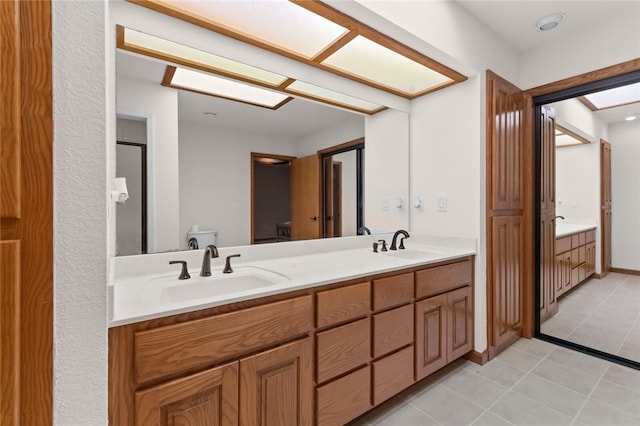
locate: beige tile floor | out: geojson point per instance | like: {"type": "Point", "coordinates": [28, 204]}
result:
{"type": "Point", "coordinates": [602, 314]}
{"type": "Point", "coordinates": [531, 383]}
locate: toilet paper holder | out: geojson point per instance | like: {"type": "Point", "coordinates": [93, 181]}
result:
{"type": "Point", "coordinates": [120, 194]}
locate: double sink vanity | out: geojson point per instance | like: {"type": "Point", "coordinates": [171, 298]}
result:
{"type": "Point", "coordinates": [309, 332]}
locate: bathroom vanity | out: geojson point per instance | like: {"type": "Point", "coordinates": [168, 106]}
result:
{"type": "Point", "coordinates": [575, 251]}
{"type": "Point", "coordinates": [336, 340]}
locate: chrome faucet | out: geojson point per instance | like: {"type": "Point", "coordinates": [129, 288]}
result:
{"type": "Point", "coordinates": [209, 253]}
{"type": "Point", "coordinates": [404, 234]}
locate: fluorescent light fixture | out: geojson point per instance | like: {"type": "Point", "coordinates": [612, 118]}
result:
{"type": "Point", "coordinates": [615, 97]}
{"type": "Point", "coordinates": [566, 137]}
{"type": "Point", "coordinates": [316, 34]}
{"type": "Point", "coordinates": [216, 86]}
{"type": "Point", "coordinates": [336, 98]}
{"type": "Point", "coordinates": [159, 48]}
{"type": "Point", "coordinates": [278, 23]}
{"type": "Point", "coordinates": [379, 65]}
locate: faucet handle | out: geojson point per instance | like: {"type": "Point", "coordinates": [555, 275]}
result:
{"type": "Point", "coordinates": [384, 245]}
{"type": "Point", "coordinates": [227, 264]}
{"type": "Point", "coordinates": [184, 273]}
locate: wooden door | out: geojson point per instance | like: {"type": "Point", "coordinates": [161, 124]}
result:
{"type": "Point", "coordinates": [26, 214]}
{"type": "Point", "coordinates": [209, 398]}
{"type": "Point", "coordinates": [459, 322]}
{"type": "Point", "coordinates": [306, 206]}
{"type": "Point", "coordinates": [509, 212]}
{"type": "Point", "coordinates": [605, 206]}
{"type": "Point", "coordinates": [431, 335]}
{"type": "Point", "coordinates": [276, 386]}
{"type": "Point", "coordinates": [548, 297]}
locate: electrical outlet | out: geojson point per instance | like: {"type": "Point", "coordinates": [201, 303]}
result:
{"type": "Point", "coordinates": [442, 204]}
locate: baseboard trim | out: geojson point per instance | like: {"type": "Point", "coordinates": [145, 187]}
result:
{"type": "Point", "coordinates": [480, 358]}
{"type": "Point", "coordinates": [597, 276]}
{"type": "Point", "coordinates": [625, 271]}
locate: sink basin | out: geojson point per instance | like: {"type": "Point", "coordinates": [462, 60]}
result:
{"type": "Point", "coordinates": [413, 254]}
{"type": "Point", "coordinates": [168, 289]}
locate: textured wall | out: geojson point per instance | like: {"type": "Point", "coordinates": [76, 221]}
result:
{"type": "Point", "coordinates": [80, 213]}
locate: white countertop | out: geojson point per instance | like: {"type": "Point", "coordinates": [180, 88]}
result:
{"type": "Point", "coordinates": [564, 229]}
{"type": "Point", "coordinates": [302, 264]}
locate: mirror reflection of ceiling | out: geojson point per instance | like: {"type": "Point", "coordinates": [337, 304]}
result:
{"type": "Point", "coordinates": [318, 35]}
{"type": "Point", "coordinates": [615, 105]}
{"type": "Point", "coordinates": [295, 119]}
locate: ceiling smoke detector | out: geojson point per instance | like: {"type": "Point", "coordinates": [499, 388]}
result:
{"type": "Point", "coordinates": [550, 22]}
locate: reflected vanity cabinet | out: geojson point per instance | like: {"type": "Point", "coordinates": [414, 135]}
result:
{"type": "Point", "coordinates": [322, 356]}
{"type": "Point", "coordinates": [575, 259]}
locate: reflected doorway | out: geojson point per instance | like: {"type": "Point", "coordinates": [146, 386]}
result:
{"type": "Point", "coordinates": [595, 312]}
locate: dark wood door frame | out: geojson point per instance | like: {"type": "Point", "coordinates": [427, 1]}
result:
{"type": "Point", "coordinates": [530, 285]}
{"type": "Point", "coordinates": [606, 78]}
{"type": "Point", "coordinates": [143, 184]}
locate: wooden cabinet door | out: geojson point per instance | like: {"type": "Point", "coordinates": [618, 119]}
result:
{"type": "Point", "coordinates": [605, 206]}
{"type": "Point", "coordinates": [209, 398]}
{"type": "Point", "coordinates": [431, 329]}
{"type": "Point", "coordinates": [459, 322]}
{"type": "Point", "coordinates": [590, 262]}
{"type": "Point", "coordinates": [276, 386]}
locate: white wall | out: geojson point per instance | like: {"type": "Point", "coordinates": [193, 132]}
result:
{"type": "Point", "coordinates": [80, 132]}
{"type": "Point", "coordinates": [386, 174]}
{"type": "Point", "coordinates": [215, 179]}
{"type": "Point", "coordinates": [349, 130]}
{"type": "Point", "coordinates": [160, 105]}
{"type": "Point", "coordinates": [625, 194]}
{"type": "Point", "coordinates": [446, 161]}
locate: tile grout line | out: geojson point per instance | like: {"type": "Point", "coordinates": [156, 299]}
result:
{"type": "Point", "coordinates": [604, 373]}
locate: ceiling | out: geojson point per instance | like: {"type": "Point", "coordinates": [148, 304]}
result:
{"type": "Point", "coordinates": [514, 22]}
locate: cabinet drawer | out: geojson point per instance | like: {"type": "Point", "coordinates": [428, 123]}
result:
{"type": "Point", "coordinates": [392, 330]}
{"type": "Point", "coordinates": [343, 348]}
{"type": "Point", "coordinates": [392, 374]}
{"type": "Point", "coordinates": [178, 348]}
{"type": "Point", "coordinates": [563, 244]}
{"type": "Point", "coordinates": [342, 304]}
{"type": "Point", "coordinates": [344, 399]}
{"type": "Point", "coordinates": [591, 235]}
{"type": "Point", "coordinates": [582, 238]}
{"type": "Point", "coordinates": [575, 258]}
{"type": "Point", "coordinates": [392, 291]}
{"type": "Point", "coordinates": [575, 240]}
{"type": "Point", "coordinates": [440, 279]}
{"type": "Point", "coordinates": [582, 254]}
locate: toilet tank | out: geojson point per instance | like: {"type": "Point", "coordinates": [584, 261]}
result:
{"type": "Point", "coordinates": [203, 237]}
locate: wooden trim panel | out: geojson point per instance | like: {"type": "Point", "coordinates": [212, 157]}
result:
{"type": "Point", "coordinates": [392, 330]}
{"type": "Point", "coordinates": [392, 291]}
{"type": "Point", "coordinates": [342, 349]}
{"type": "Point", "coordinates": [173, 349]}
{"type": "Point", "coordinates": [10, 331]}
{"type": "Point", "coordinates": [344, 399]}
{"type": "Point", "coordinates": [625, 271]}
{"type": "Point", "coordinates": [392, 374]}
{"type": "Point", "coordinates": [342, 304]}
{"type": "Point", "coordinates": [441, 279]}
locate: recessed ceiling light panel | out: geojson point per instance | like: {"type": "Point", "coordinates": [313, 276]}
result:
{"type": "Point", "coordinates": [223, 88]}
{"type": "Point", "coordinates": [549, 22]}
{"type": "Point", "coordinates": [373, 62]}
{"type": "Point", "coordinates": [615, 97]}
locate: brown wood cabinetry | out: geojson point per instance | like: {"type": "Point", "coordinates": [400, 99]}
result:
{"type": "Point", "coordinates": [323, 356]}
{"type": "Point", "coordinates": [276, 386]}
{"type": "Point", "coordinates": [444, 330]}
{"type": "Point", "coordinates": [575, 260]}
{"type": "Point", "coordinates": [206, 398]}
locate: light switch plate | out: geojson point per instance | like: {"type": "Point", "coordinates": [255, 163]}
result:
{"type": "Point", "coordinates": [442, 204]}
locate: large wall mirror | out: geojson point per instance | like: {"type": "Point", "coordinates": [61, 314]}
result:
{"type": "Point", "coordinates": [210, 161]}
